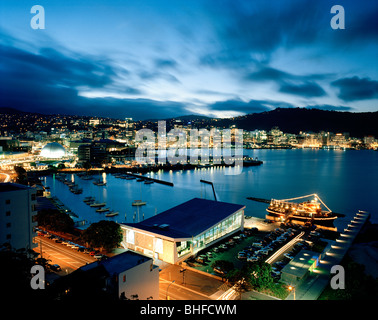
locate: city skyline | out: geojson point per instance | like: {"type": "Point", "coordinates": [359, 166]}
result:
{"type": "Point", "coordinates": [149, 60]}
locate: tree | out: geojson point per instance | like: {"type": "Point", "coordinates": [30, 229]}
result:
{"type": "Point", "coordinates": [87, 165]}
{"type": "Point", "coordinates": [22, 177]}
{"type": "Point", "coordinates": [55, 220]}
{"type": "Point", "coordinates": [259, 275]}
{"type": "Point", "coordinates": [61, 166]}
{"type": "Point", "coordinates": [103, 234]}
{"type": "Point", "coordinates": [223, 265]}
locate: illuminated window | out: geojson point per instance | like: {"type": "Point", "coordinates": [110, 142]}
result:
{"type": "Point", "coordinates": [130, 235]}
{"type": "Point", "coordinates": [159, 245]}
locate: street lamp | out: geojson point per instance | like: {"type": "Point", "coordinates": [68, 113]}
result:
{"type": "Point", "coordinates": [291, 288]}
{"type": "Point", "coordinates": [166, 294]}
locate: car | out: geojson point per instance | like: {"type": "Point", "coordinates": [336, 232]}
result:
{"type": "Point", "coordinates": [98, 256]}
{"type": "Point", "coordinates": [241, 254]}
{"type": "Point", "coordinates": [219, 270]}
{"type": "Point", "coordinates": [55, 267]}
{"type": "Point", "coordinates": [92, 253]}
{"type": "Point", "coordinates": [252, 259]}
{"type": "Point", "coordinates": [288, 256]}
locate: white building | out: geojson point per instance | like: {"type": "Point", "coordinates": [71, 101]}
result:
{"type": "Point", "coordinates": [128, 275]}
{"type": "Point", "coordinates": [17, 215]}
{"type": "Point", "coordinates": [181, 231]}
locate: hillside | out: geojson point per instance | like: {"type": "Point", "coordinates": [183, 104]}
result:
{"type": "Point", "coordinates": [294, 120]}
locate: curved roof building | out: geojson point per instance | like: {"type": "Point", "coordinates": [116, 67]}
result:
{"type": "Point", "coordinates": [53, 150]}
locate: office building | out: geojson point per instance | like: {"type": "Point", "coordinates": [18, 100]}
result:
{"type": "Point", "coordinates": [17, 215]}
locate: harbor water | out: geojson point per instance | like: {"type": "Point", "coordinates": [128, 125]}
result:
{"type": "Point", "coordinates": [347, 181]}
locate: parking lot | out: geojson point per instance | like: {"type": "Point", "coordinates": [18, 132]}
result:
{"type": "Point", "coordinates": [251, 246]}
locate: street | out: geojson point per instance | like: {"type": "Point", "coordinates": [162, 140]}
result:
{"type": "Point", "coordinates": [196, 287]}
{"type": "Point", "coordinates": [69, 259]}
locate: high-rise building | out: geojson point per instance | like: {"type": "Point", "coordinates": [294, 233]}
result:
{"type": "Point", "coordinates": [17, 215]}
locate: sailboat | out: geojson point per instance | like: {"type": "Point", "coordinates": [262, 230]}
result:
{"type": "Point", "coordinates": [111, 214]}
{"type": "Point", "coordinates": [139, 202]}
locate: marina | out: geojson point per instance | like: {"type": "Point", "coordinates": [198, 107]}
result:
{"type": "Point", "coordinates": [284, 173]}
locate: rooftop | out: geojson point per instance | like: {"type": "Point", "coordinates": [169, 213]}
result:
{"type": "Point", "coordinates": [6, 187]}
{"type": "Point", "coordinates": [301, 263]}
{"type": "Point", "coordinates": [119, 263]}
{"type": "Point", "coordinates": [189, 218]}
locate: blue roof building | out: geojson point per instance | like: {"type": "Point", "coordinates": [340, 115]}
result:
{"type": "Point", "coordinates": [173, 235]}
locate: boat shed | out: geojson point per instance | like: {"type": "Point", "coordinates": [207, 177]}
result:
{"type": "Point", "coordinates": [181, 231]}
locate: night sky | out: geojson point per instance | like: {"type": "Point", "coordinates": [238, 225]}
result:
{"type": "Point", "coordinates": [158, 59]}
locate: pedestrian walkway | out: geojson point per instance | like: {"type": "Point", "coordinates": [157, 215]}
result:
{"type": "Point", "coordinates": [312, 287]}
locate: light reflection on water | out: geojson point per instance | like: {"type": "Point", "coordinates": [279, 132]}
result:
{"type": "Point", "coordinates": [346, 181]}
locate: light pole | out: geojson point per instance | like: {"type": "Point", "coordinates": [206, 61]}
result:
{"type": "Point", "coordinates": [166, 294]}
{"type": "Point", "coordinates": [291, 288]}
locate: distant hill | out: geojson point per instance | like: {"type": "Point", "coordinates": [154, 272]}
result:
{"type": "Point", "coordinates": [289, 120]}
{"type": "Point", "coordinates": [294, 120]}
{"type": "Point", "coordinates": [6, 110]}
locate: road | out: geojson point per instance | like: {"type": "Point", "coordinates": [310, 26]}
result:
{"type": "Point", "coordinates": [5, 177]}
{"type": "Point", "coordinates": [69, 259]}
{"type": "Point", "coordinates": [177, 291]}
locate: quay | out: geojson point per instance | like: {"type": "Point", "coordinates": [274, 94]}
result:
{"type": "Point", "coordinates": [332, 255]}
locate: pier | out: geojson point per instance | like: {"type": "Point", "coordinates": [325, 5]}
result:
{"type": "Point", "coordinates": [332, 255]}
{"type": "Point", "coordinates": [150, 179]}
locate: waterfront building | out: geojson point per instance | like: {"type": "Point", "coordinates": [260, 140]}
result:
{"type": "Point", "coordinates": [17, 215]}
{"type": "Point", "coordinates": [53, 150]}
{"type": "Point", "coordinates": [182, 231]}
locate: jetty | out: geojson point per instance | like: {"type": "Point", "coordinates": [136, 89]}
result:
{"type": "Point", "coordinates": [170, 184]}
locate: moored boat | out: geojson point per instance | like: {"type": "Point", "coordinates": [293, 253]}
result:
{"type": "Point", "coordinates": [308, 212]}
{"type": "Point", "coordinates": [94, 205]}
{"type": "Point", "coordinates": [111, 214]}
{"type": "Point", "coordinates": [139, 203]}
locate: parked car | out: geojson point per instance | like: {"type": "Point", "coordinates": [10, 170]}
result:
{"type": "Point", "coordinates": [55, 267]}
{"type": "Point", "coordinates": [252, 259]}
{"type": "Point", "coordinates": [288, 256]}
{"type": "Point", "coordinates": [218, 270]}
{"type": "Point", "coordinates": [98, 256]}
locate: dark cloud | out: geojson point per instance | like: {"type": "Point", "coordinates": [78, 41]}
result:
{"type": "Point", "coordinates": [307, 89]}
{"type": "Point", "coordinates": [49, 81]}
{"type": "Point", "coordinates": [249, 32]}
{"type": "Point", "coordinates": [268, 74]}
{"type": "Point", "coordinates": [356, 88]}
{"type": "Point", "coordinates": [166, 63]}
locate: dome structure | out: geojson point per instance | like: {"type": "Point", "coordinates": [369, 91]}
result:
{"type": "Point", "coordinates": [53, 150]}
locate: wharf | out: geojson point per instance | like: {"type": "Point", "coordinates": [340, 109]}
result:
{"type": "Point", "coordinates": [150, 179]}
